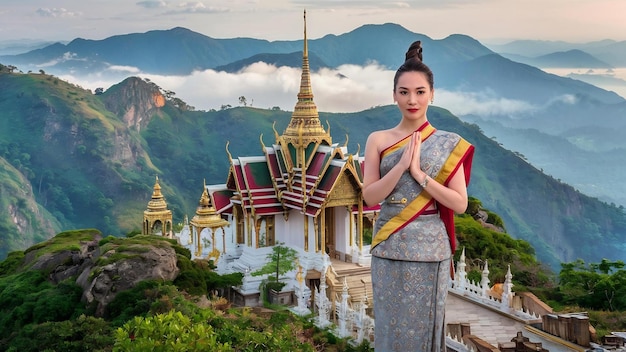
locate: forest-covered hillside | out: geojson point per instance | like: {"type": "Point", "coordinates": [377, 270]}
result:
{"type": "Point", "coordinates": [83, 291]}
{"type": "Point", "coordinates": [91, 160]}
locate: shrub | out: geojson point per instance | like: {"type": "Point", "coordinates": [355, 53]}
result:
{"type": "Point", "coordinates": [172, 331]}
{"type": "Point", "coordinates": [11, 263]}
{"type": "Point", "coordinates": [133, 302]}
{"type": "Point", "coordinates": [82, 334]}
{"type": "Point", "coordinates": [28, 298]}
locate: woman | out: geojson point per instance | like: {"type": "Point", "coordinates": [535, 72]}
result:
{"type": "Point", "coordinates": [420, 175]}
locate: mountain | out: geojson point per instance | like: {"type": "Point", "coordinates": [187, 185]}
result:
{"type": "Point", "coordinates": [563, 59]}
{"type": "Point", "coordinates": [180, 51]}
{"type": "Point", "coordinates": [533, 48]}
{"type": "Point", "coordinates": [511, 101]}
{"type": "Point", "coordinates": [177, 51]}
{"type": "Point", "coordinates": [610, 51]}
{"type": "Point", "coordinates": [459, 61]}
{"type": "Point", "coordinates": [19, 46]}
{"type": "Point", "coordinates": [290, 60]}
{"type": "Point", "coordinates": [91, 160]}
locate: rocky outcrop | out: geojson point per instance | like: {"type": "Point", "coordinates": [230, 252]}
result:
{"type": "Point", "coordinates": [135, 101]}
{"type": "Point", "coordinates": [103, 268]}
{"type": "Point", "coordinates": [482, 217]}
{"type": "Point", "coordinates": [122, 267]}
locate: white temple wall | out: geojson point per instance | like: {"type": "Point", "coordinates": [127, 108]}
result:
{"type": "Point", "coordinates": [290, 232]}
{"type": "Point", "coordinates": [342, 231]}
{"type": "Point", "coordinates": [249, 235]}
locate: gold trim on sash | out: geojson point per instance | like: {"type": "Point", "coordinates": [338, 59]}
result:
{"type": "Point", "coordinates": [453, 162]}
{"type": "Point", "coordinates": [410, 212]}
{"type": "Point", "coordinates": [425, 132]}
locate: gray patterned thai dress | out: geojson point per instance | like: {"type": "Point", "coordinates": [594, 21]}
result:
{"type": "Point", "coordinates": [411, 255]}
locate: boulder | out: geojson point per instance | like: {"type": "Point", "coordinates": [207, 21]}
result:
{"type": "Point", "coordinates": [103, 267]}
{"type": "Point", "coordinates": [121, 268]}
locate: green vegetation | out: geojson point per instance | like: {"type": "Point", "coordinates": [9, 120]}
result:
{"type": "Point", "coordinates": [152, 316]}
{"type": "Point", "coordinates": [28, 298]}
{"type": "Point", "coordinates": [85, 333]}
{"type": "Point", "coordinates": [91, 163]}
{"type": "Point", "coordinates": [50, 131]}
{"type": "Point", "coordinates": [241, 329]}
{"type": "Point", "coordinates": [64, 241]}
{"type": "Point", "coordinates": [282, 259]}
{"type": "Point", "coordinates": [17, 200]}
{"type": "Point", "coordinates": [599, 286]}
{"type": "Point", "coordinates": [158, 315]}
{"type": "Point", "coordinates": [500, 249]}
{"type": "Point", "coordinates": [69, 160]}
{"type": "Point", "coordinates": [172, 331]}
{"type": "Point", "coordinates": [198, 278]}
{"type": "Point", "coordinates": [596, 288]}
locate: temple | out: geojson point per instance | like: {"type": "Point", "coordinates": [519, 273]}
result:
{"type": "Point", "coordinates": [157, 218]}
{"type": "Point", "coordinates": [304, 191]}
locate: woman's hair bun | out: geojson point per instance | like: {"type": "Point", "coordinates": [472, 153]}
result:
{"type": "Point", "coordinates": [415, 51]}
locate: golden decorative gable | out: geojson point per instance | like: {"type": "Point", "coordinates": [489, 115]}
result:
{"type": "Point", "coordinates": [345, 192]}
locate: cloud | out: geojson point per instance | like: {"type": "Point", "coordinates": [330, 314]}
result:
{"type": "Point", "coordinates": [152, 4]}
{"type": "Point", "coordinates": [365, 4]}
{"type": "Point", "coordinates": [182, 8]}
{"type": "Point", "coordinates": [56, 12]}
{"type": "Point", "coordinates": [197, 7]}
{"type": "Point", "coordinates": [348, 88]}
{"type": "Point", "coordinates": [483, 103]}
{"type": "Point", "coordinates": [124, 69]}
{"type": "Point", "coordinates": [65, 57]}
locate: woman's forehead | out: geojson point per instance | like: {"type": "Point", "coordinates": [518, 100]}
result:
{"type": "Point", "coordinates": [412, 79]}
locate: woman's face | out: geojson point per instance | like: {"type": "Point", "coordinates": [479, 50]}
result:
{"type": "Point", "coordinates": [412, 94]}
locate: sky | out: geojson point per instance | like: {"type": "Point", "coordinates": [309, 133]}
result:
{"type": "Point", "coordinates": [264, 86]}
{"type": "Point", "coordinates": [485, 20]}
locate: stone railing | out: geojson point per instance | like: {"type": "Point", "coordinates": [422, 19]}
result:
{"type": "Point", "coordinates": [504, 301]}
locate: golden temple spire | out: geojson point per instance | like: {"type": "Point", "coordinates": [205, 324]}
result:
{"type": "Point", "coordinates": [305, 126]}
{"type": "Point", "coordinates": [157, 213]}
{"type": "Point", "coordinates": [207, 218]}
{"type": "Point", "coordinates": [206, 215]}
{"type": "Point", "coordinates": [157, 203]}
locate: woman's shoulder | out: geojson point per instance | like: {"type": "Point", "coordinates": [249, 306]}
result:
{"type": "Point", "coordinates": [382, 134]}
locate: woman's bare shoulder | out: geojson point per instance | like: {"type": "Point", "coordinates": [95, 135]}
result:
{"type": "Point", "coordinates": [381, 134]}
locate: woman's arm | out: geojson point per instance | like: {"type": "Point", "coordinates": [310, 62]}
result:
{"type": "Point", "coordinates": [452, 196]}
{"type": "Point", "coordinates": [375, 188]}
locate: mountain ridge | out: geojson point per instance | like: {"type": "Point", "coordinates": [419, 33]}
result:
{"type": "Point", "coordinates": [560, 105]}
{"type": "Point", "coordinates": [98, 170]}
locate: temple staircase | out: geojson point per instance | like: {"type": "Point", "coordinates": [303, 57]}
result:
{"type": "Point", "coordinates": [358, 279]}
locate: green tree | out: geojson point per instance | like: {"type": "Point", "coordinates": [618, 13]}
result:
{"type": "Point", "coordinates": [282, 259]}
{"type": "Point", "coordinates": [594, 286]}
